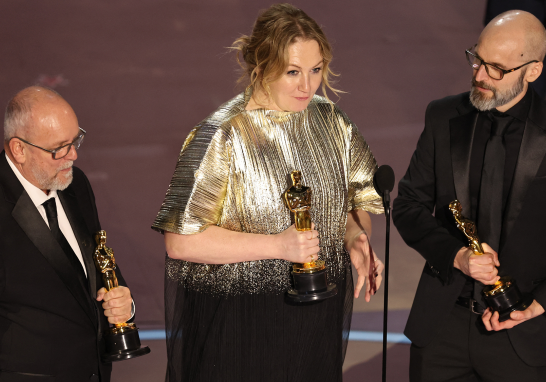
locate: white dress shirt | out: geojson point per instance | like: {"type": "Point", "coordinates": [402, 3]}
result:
{"type": "Point", "coordinates": [38, 197]}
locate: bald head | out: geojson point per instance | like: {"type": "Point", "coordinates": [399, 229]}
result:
{"type": "Point", "coordinates": [519, 32]}
{"type": "Point", "coordinates": [42, 134]}
{"type": "Point", "coordinates": [18, 116]}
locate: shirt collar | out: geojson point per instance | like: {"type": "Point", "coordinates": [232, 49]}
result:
{"type": "Point", "coordinates": [36, 195]}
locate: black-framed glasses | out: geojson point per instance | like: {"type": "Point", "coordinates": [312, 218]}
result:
{"type": "Point", "coordinates": [492, 70]}
{"type": "Point", "coordinates": [61, 152]}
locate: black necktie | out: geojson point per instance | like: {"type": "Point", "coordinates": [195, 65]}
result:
{"type": "Point", "coordinates": [51, 212]}
{"type": "Point", "coordinates": [490, 202]}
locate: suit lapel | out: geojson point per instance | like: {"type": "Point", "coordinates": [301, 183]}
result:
{"type": "Point", "coordinates": [461, 136]}
{"type": "Point", "coordinates": [29, 219]}
{"type": "Point", "coordinates": [31, 222]}
{"type": "Point", "coordinates": [84, 238]}
{"type": "Point", "coordinates": [531, 155]}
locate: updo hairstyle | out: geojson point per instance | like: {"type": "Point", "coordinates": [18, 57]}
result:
{"type": "Point", "coordinates": [265, 52]}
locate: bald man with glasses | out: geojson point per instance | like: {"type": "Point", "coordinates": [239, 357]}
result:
{"type": "Point", "coordinates": [486, 148]}
{"type": "Point", "coordinates": [53, 309]}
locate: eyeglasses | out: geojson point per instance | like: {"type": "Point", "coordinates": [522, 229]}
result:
{"type": "Point", "coordinates": [61, 152]}
{"type": "Point", "coordinates": [493, 71]}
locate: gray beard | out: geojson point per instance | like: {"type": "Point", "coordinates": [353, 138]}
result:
{"type": "Point", "coordinates": [481, 102]}
{"type": "Point", "coordinates": [54, 183]}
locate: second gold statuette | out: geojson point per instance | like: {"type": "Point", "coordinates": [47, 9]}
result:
{"type": "Point", "coordinates": [310, 283]}
{"type": "Point", "coordinates": [504, 296]}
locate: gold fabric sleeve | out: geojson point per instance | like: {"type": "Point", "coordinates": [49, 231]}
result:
{"type": "Point", "coordinates": [196, 194]}
{"type": "Point", "coordinates": [362, 194]}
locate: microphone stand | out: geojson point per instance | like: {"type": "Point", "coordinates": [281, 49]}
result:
{"type": "Point", "coordinates": [387, 207]}
{"type": "Point", "coordinates": [383, 182]}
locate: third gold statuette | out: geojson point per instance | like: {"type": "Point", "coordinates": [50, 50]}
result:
{"type": "Point", "coordinates": [504, 296]}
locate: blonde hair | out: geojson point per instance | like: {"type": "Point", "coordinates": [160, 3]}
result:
{"type": "Point", "coordinates": [265, 52]}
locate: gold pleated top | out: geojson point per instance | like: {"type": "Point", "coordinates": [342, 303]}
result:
{"type": "Point", "coordinates": [233, 170]}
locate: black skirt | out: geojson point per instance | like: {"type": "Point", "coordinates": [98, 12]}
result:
{"type": "Point", "coordinates": [256, 338]}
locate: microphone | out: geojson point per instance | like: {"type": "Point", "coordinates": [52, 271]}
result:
{"type": "Point", "coordinates": [383, 182]}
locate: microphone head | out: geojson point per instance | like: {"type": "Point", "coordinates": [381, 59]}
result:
{"type": "Point", "coordinates": [383, 179]}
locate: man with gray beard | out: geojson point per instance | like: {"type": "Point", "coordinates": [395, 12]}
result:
{"type": "Point", "coordinates": [53, 309]}
{"type": "Point", "coordinates": [486, 148]}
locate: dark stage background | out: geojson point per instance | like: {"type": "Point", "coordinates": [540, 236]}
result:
{"type": "Point", "coordinates": [141, 73]}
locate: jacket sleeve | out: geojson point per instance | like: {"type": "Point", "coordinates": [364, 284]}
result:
{"type": "Point", "coordinates": [413, 209]}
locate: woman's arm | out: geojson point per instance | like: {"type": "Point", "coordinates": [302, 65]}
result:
{"type": "Point", "coordinates": [357, 221]}
{"type": "Point", "coordinates": [217, 245]}
{"type": "Point", "coordinates": [357, 234]}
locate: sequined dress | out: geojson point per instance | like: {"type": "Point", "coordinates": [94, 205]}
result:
{"type": "Point", "coordinates": [231, 322]}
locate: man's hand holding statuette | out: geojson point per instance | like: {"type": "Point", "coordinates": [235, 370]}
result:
{"type": "Point", "coordinates": [491, 320]}
{"type": "Point", "coordinates": [117, 304]}
{"type": "Point", "coordinates": [482, 268]}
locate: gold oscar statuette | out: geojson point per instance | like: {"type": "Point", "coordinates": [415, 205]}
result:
{"type": "Point", "coordinates": [504, 296]}
{"type": "Point", "coordinates": [310, 282]}
{"type": "Point", "coordinates": [122, 340]}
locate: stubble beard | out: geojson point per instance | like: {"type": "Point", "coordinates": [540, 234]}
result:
{"type": "Point", "coordinates": [499, 98]}
{"type": "Point", "coordinates": [57, 182]}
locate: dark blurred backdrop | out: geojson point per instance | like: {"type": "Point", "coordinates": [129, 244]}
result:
{"type": "Point", "coordinates": [141, 73]}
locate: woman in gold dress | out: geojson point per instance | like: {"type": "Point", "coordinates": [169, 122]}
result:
{"type": "Point", "coordinates": [228, 233]}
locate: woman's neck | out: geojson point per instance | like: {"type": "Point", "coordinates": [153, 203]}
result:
{"type": "Point", "coordinates": [260, 100]}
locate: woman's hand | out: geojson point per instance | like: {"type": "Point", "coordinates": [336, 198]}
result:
{"type": "Point", "coordinates": [366, 264]}
{"type": "Point", "coordinates": [298, 246]}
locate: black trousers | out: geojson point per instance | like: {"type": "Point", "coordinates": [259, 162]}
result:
{"type": "Point", "coordinates": [464, 351]}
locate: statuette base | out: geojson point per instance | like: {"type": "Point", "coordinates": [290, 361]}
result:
{"type": "Point", "coordinates": [312, 267]}
{"type": "Point", "coordinates": [505, 298]}
{"type": "Point", "coordinates": [311, 287]}
{"type": "Point", "coordinates": [124, 344]}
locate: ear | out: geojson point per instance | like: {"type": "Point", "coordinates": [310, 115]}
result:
{"type": "Point", "coordinates": [534, 71]}
{"type": "Point", "coordinates": [18, 150]}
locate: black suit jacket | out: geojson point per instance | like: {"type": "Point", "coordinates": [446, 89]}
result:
{"type": "Point", "coordinates": [50, 322]}
{"type": "Point", "coordinates": [438, 174]}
